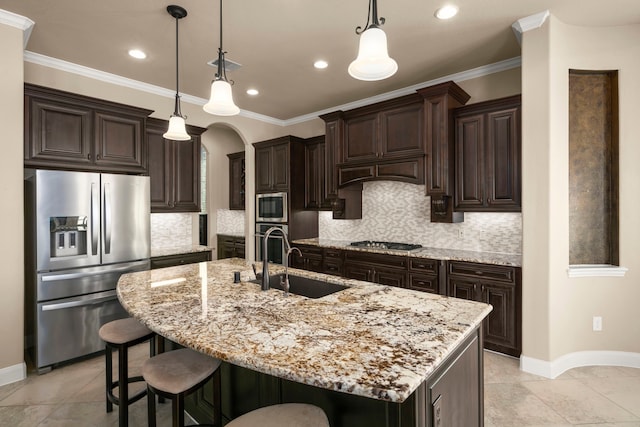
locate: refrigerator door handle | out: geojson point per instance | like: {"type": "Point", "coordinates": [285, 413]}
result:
{"type": "Point", "coordinates": [59, 277]}
{"type": "Point", "coordinates": [107, 218]}
{"type": "Point", "coordinates": [95, 214]}
{"type": "Point", "coordinates": [104, 296]}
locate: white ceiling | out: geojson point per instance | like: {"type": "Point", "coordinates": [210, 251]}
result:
{"type": "Point", "coordinates": [277, 41]}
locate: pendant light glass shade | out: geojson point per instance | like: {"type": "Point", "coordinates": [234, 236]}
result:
{"type": "Point", "coordinates": [373, 61]}
{"type": "Point", "coordinates": [221, 100]}
{"type": "Point", "coordinates": [177, 130]}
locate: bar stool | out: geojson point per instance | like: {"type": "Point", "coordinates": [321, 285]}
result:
{"type": "Point", "coordinates": [178, 373]}
{"type": "Point", "coordinates": [286, 414]}
{"type": "Point", "coordinates": [120, 335]}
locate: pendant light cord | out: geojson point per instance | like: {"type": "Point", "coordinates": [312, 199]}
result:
{"type": "Point", "coordinates": [177, 106]}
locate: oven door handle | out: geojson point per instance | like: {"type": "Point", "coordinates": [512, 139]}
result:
{"type": "Point", "coordinates": [104, 296]}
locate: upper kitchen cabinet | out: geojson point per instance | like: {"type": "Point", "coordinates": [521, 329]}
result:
{"type": "Point", "coordinates": [174, 169]}
{"type": "Point", "coordinates": [68, 131]}
{"type": "Point", "coordinates": [315, 170]}
{"type": "Point", "coordinates": [279, 164]}
{"type": "Point", "coordinates": [488, 164]}
{"type": "Point", "coordinates": [334, 127]}
{"type": "Point", "coordinates": [236, 180]}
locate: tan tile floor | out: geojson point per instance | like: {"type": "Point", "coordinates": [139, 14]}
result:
{"type": "Point", "coordinates": [594, 396]}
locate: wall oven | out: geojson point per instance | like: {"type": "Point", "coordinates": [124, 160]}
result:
{"type": "Point", "coordinates": [275, 245]}
{"type": "Point", "coordinates": [271, 207]}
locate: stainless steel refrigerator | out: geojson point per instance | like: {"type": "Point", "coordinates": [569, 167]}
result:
{"type": "Point", "coordinates": [82, 231]}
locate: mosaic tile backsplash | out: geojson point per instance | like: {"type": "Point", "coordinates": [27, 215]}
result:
{"type": "Point", "coordinates": [230, 221]}
{"type": "Point", "coordinates": [171, 230]}
{"type": "Point", "coordinates": [398, 211]}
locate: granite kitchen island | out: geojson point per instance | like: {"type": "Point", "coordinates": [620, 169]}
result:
{"type": "Point", "coordinates": [368, 355]}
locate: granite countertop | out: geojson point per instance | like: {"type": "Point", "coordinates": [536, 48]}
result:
{"type": "Point", "coordinates": [177, 250]}
{"type": "Point", "coordinates": [513, 260]}
{"type": "Point", "coordinates": [369, 340]}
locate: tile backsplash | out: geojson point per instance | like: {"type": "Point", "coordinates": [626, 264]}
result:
{"type": "Point", "coordinates": [171, 230]}
{"type": "Point", "coordinates": [398, 211]}
{"type": "Point", "coordinates": [230, 221]}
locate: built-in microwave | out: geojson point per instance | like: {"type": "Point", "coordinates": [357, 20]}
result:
{"type": "Point", "coordinates": [271, 207]}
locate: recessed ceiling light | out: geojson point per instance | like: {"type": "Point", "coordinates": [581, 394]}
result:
{"type": "Point", "coordinates": [252, 92]}
{"type": "Point", "coordinates": [320, 64]}
{"type": "Point", "coordinates": [446, 12]}
{"type": "Point", "coordinates": [137, 53]}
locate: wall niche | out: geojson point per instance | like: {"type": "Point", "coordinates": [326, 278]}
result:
{"type": "Point", "coordinates": [593, 168]}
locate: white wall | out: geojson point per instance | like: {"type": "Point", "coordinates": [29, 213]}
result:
{"type": "Point", "coordinates": [558, 310]}
{"type": "Point", "coordinates": [12, 212]}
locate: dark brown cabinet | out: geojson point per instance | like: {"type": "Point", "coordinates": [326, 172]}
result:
{"type": "Point", "coordinates": [424, 275]}
{"type": "Point", "coordinates": [236, 181]}
{"type": "Point", "coordinates": [180, 259]}
{"type": "Point", "coordinates": [499, 286]}
{"type": "Point", "coordinates": [69, 131]}
{"type": "Point", "coordinates": [230, 246]}
{"type": "Point", "coordinates": [333, 261]}
{"type": "Point", "coordinates": [274, 163]}
{"type": "Point", "coordinates": [488, 164]}
{"type": "Point", "coordinates": [315, 191]}
{"type": "Point", "coordinates": [310, 258]}
{"type": "Point", "coordinates": [384, 269]}
{"type": "Point", "coordinates": [174, 169]}
{"type": "Point", "coordinates": [334, 127]}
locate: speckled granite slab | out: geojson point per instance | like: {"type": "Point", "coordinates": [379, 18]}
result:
{"type": "Point", "coordinates": [369, 340]}
{"type": "Point", "coordinates": [177, 250]}
{"type": "Point", "coordinates": [514, 260]}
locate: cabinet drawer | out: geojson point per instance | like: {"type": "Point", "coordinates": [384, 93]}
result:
{"type": "Point", "coordinates": [485, 271]}
{"type": "Point", "coordinates": [424, 283]}
{"type": "Point", "coordinates": [333, 253]}
{"type": "Point", "coordinates": [377, 259]}
{"type": "Point", "coordinates": [181, 259]}
{"type": "Point", "coordinates": [333, 266]}
{"type": "Point", "coordinates": [424, 265]}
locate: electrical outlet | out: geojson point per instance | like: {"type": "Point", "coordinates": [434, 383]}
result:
{"type": "Point", "coordinates": [597, 323]}
{"type": "Point", "coordinates": [460, 233]}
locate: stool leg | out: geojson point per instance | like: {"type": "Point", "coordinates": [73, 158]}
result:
{"type": "Point", "coordinates": [178, 410]}
{"type": "Point", "coordinates": [151, 408]}
{"type": "Point", "coordinates": [108, 375]}
{"type": "Point", "coordinates": [157, 347]}
{"type": "Point", "coordinates": [123, 389]}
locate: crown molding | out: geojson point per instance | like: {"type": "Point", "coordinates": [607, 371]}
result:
{"type": "Point", "coordinates": [527, 23]}
{"type": "Point", "coordinates": [18, 21]}
{"type": "Point", "coordinates": [92, 73]}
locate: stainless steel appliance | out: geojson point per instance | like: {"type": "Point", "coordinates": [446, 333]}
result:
{"type": "Point", "coordinates": [82, 231]}
{"type": "Point", "coordinates": [272, 207]}
{"type": "Point", "coordinates": [275, 242]}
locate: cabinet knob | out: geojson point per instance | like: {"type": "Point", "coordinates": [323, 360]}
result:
{"type": "Point", "coordinates": [89, 156]}
{"type": "Point", "coordinates": [98, 157]}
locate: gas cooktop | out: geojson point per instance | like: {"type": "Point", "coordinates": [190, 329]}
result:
{"type": "Point", "coordinates": [386, 245]}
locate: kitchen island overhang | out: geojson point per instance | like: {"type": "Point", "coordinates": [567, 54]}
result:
{"type": "Point", "coordinates": [368, 340]}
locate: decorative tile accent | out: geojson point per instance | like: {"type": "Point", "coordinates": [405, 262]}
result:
{"type": "Point", "coordinates": [230, 221]}
{"type": "Point", "coordinates": [171, 229]}
{"type": "Point", "coordinates": [398, 211]}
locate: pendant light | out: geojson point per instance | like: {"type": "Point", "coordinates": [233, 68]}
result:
{"type": "Point", "coordinates": [177, 130]}
{"type": "Point", "coordinates": [221, 100]}
{"type": "Point", "coordinates": [373, 62]}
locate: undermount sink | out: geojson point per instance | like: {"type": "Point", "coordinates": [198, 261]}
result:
{"type": "Point", "coordinates": [304, 286]}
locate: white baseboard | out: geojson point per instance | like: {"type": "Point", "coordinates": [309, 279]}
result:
{"type": "Point", "coordinates": [556, 367]}
{"type": "Point", "coordinates": [14, 373]}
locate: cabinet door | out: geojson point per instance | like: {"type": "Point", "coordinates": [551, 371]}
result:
{"type": "Point", "coordinates": [500, 324]}
{"type": "Point", "coordinates": [361, 138]}
{"type": "Point", "coordinates": [503, 160]}
{"type": "Point", "coordinates": [314, 176]}
{"type": "Point", "coordinates": [357, 271]}
{"type": "Point", "coordinates": [470, 170]}
{"type": "Point", "coordinates": [462, 288]}
{"type": "Point", "coordinates": [264, 161]}
{"type": "Point", "coordinates": [160, 170]}
{"type": "Point", "coordinates": [187, 176]}
{"type": "Point", "coordinates": [236, 181]}
{"type": "Point", "coordinates": [333, 140]}
{"type": "Point", "coordinates": [120, 142]}
{"type": "Point", "coordinates": [401, 131]}
{"type": "Point", "coordinates": [57, 133]}
{"type": "Point", "coordinates": [280, 167]}
{"type": "Point", "coordinates": [390, 277]}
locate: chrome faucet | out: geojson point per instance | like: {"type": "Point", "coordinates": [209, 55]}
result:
{"type": "Point", "coordinates": [265, 255]}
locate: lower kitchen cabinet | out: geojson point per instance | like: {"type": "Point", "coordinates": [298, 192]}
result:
{"type": "Point", "coordinates": [180, 259]}
{"type": "Point", "coordinates": [310, 258]}
{"type": "Point", "coordinates": [230, 246]}
{"type": "Point", "coordinates": [333, 261]}
{"type": "Point", "coordinates": [377, 268]}
{"type": "Point", "coordinates": [424, 275]}
{"type": "Point", "coordinates": [500, 286]}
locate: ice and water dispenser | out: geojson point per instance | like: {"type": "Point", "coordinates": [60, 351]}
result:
{"type": "Point", "coordinates": [68, 236]}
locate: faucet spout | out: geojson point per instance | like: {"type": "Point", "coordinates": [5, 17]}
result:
{"type": "Point", "coordinates": [265, 255]}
